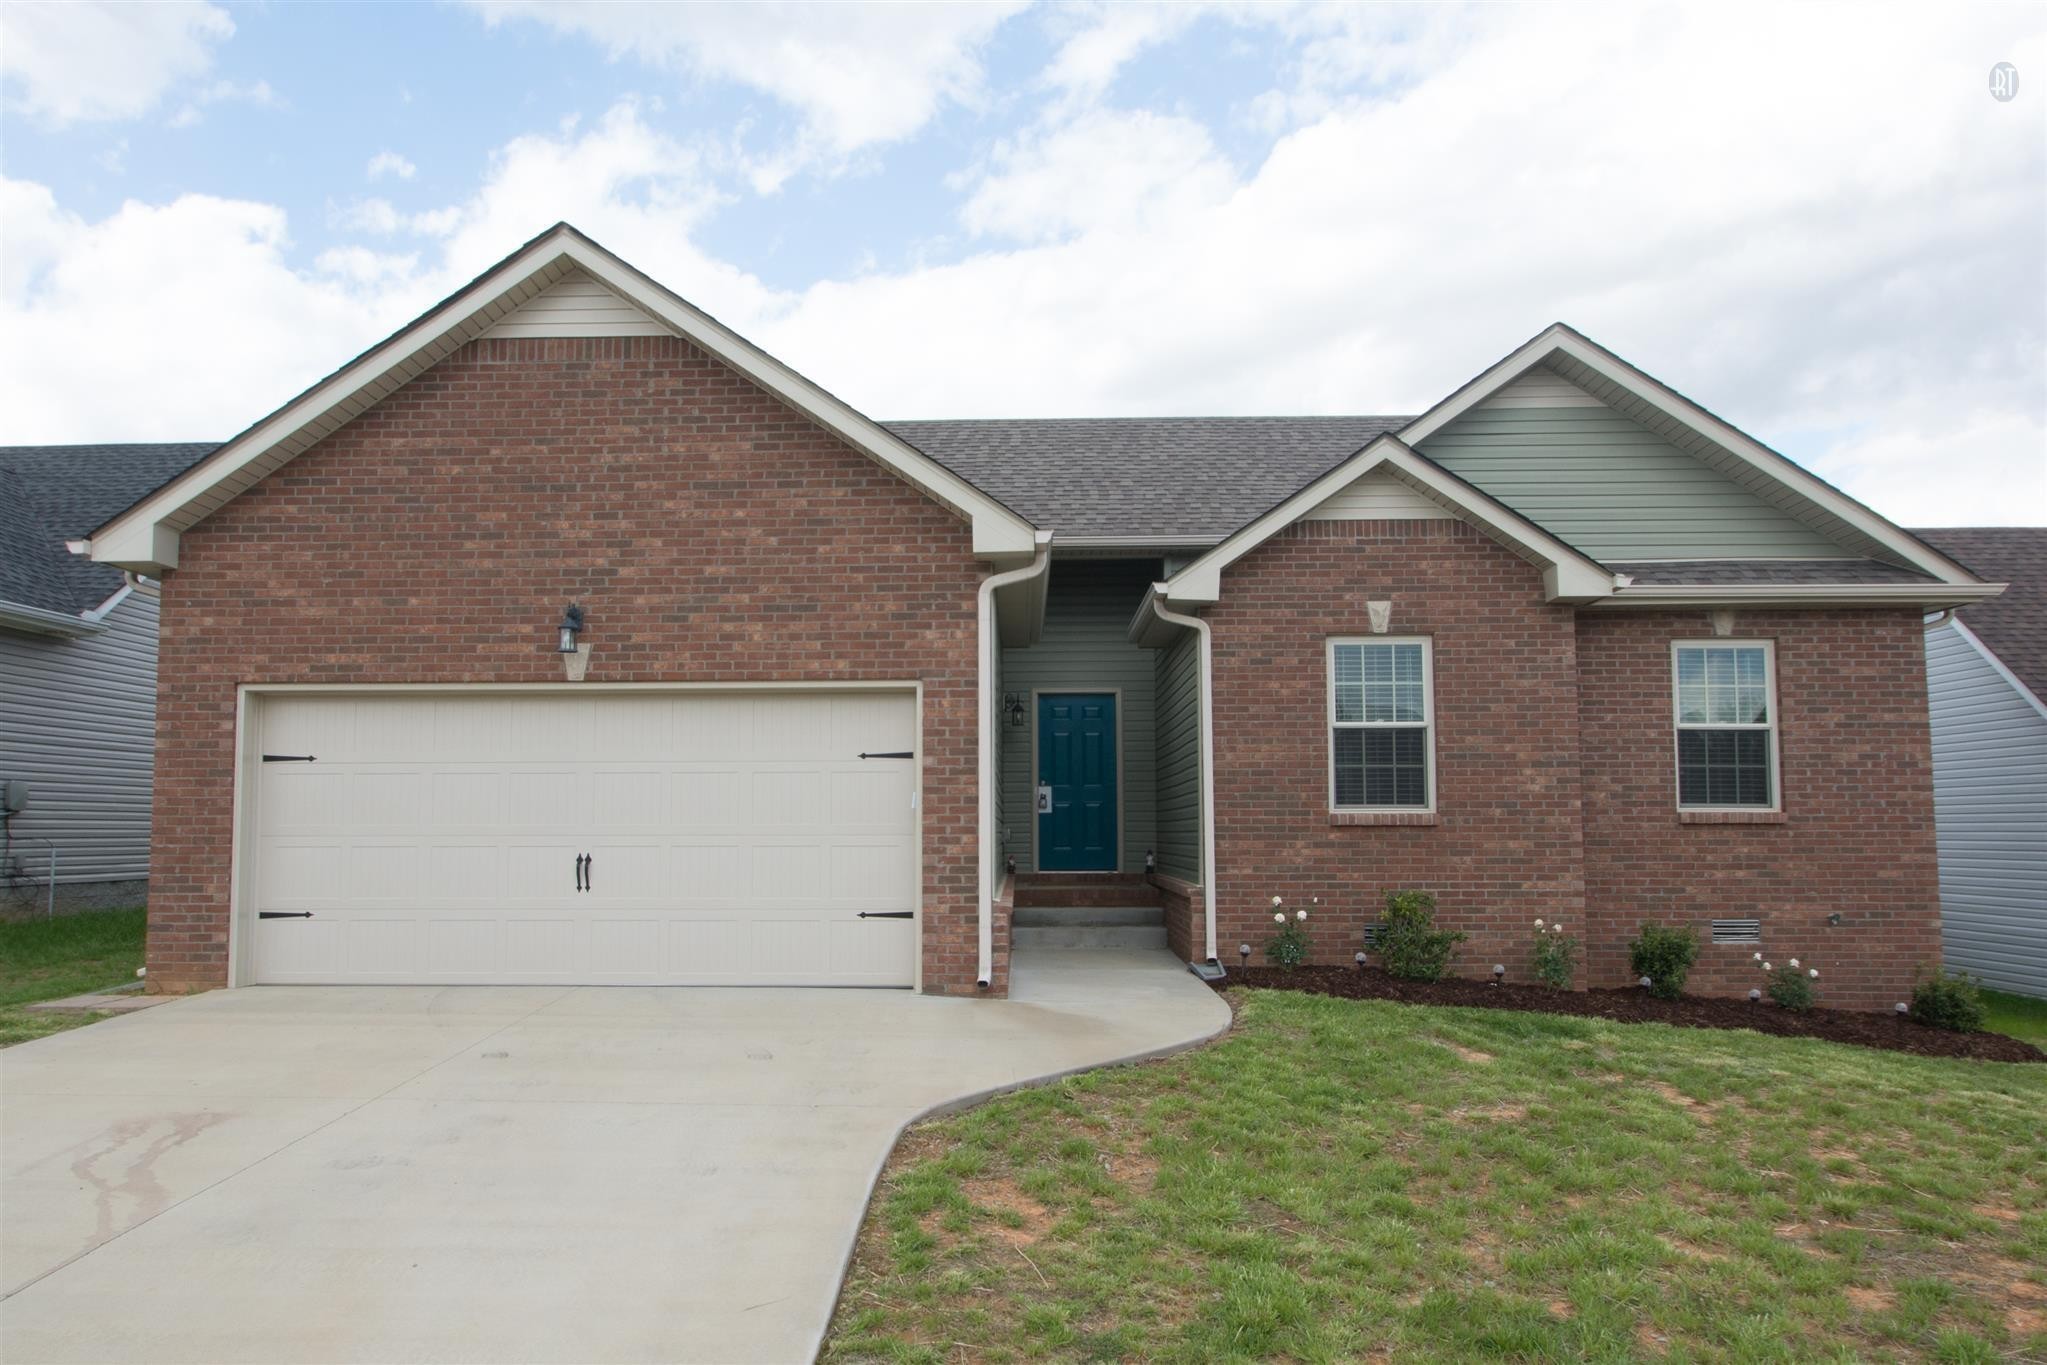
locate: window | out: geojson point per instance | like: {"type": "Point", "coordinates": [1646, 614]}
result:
{"type": "Point", "coordinates": [1726, 727]}
{"type": "Point", "coordinates": [1381, 754]}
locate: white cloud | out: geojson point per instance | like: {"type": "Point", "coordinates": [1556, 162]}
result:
{"type": "Point", "coordinates": [390, 163]}
{"type": "Point", "coordinates": [858, 74]}
{"type": "Point", "coordinates": [70, 62]}
{"type": "Point", "coordinates": [1108, 170]}
{"type": "Point", "coordinates": [257, 93]}
{"type": "Point", "coordinates": [1850, 268]}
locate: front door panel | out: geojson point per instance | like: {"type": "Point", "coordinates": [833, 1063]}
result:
{"type": "Point", "coordinates": [1077, 761]}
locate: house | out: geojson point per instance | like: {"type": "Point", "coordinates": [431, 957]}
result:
{"type": "Point", "coordinates": [77, 679]}
{"type": "Point", "coordinates": [565, 636]}
{"type": "Point", "coordinates": [1986, 673]}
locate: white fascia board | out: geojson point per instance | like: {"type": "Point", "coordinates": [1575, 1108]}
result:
{"type": "Point", "coordinates": [144, 539]}
{"type": "Point", "coordinates": [42, 621]}
{"type": "Point", "coordinates": [2012, 680]}
{"type": "Point", "coordinates": [1559, 339]}
{"type": "Point", "coordinates": [1928, 595]}
{"type": "Point", "coordinates": [1568, 576]}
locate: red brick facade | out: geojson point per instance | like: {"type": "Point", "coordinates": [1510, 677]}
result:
{"type": "Point", "coordinates": [436, 537]}
{"type": "Point", "coordinates": [1555, 771]}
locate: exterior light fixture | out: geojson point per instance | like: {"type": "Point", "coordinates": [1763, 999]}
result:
{"type": "Point", "coordinates": [1499, 973]}
{"type": "Point", "coordinates": [1645, 983]}
{"type": "Point", "coordinates": [1754, 996]}
{"type": "Point", "coordinates": [1151, 861]}
{"type": "Point", "coordinates": [1244, 951]}
{"type": "Point", "coordinates": [1013, 707]}
{"type": "Point", "coordinates": [1360, 960]}
{"type": "Point", "coordinates": [570, 628]}
{"type": "Point", "coordinates": [1902, 1008]}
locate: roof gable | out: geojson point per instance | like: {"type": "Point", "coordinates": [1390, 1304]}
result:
{"type": "Point", "coordinates": [145, 536]}
{"type": "Point", "coordinates": [2012, 625]}
{"type": "Point", "coordinates": [1686, 426]}
{"type": "Point", "coordinates": [1608, 485]}
{"type": "Point", "coordinates": [50, 494]}
{"type": "Point", "coordinates": [1568, 576]}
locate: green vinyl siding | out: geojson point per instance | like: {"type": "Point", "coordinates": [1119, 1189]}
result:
{"type": "Point", "coordinates": [1616, 490]}
{"type": "Point", "coordinates": [1179, 758]}
{"type": "Point", "coordinates": [1085, 648]}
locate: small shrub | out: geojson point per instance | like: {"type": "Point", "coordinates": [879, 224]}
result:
{"type": "Point", "coordinates": [1664, 955]}
{"type": "Point", "coordinates": [1410, 945]}
{"type": "Point", "coordinates": [1790, 985]}
{"type": "Point", "coordinates": [1949, 1002]}
{"type": "Point", "coordinates": [1289, 947]}
{"type": "Point", "coordinates": [1556, 955]}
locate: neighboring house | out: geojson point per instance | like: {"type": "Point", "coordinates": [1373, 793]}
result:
{"type": "Point", "coordinates": [1565, 645]}
{"type": "Point", "coordinates": [1986, 668]}
{"type": "Point", "coordinates": [77, 677]}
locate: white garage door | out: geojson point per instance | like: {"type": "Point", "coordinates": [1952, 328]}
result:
{"type": "Point", "coordinates": [610, 838]}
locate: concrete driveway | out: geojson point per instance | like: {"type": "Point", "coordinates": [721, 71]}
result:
{"type": "Point", "coordinates": [501, 1174]}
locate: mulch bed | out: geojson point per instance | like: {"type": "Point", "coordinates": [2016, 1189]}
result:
{"type": "Point", "coordinates": [1891, 1032]}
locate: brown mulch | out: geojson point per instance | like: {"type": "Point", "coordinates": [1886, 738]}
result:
{"type": "Point", "coordinates": [1890, 1032]}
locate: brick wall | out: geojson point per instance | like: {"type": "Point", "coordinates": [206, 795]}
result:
{"type": "Point", "coordinates": [1555, 771]}
{"type": "Point", "coordinates": [1856, 835]}
{"type": "Point", "coordinates": [711, 533]}
{"type": "Point", "coordinates": [1505, 846]}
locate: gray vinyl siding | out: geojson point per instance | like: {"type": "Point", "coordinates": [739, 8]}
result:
{"type": "Point", "coordinates": [78, 724]}
{"type": "Point", "coordinates": [1614, 489]}
{"type": "Point", "coordinates": [1085, 648]}
{"type": "Point", "coordinates": [1179, 758]}
{"type": "Point", "coordinates": [1990, 799]}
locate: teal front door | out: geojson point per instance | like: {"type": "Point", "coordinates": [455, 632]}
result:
{"type": "Point", "coordinates": [1076, 789]}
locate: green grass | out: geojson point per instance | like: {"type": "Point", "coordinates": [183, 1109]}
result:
{"type": "Point", "coordinates": [2021, 1016]}
{"type": "Point", "coordinates": [1341, 1180]}
{"type": "Point", "coordinates": [48, 959]}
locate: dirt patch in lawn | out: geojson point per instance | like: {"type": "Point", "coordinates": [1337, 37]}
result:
{"type": "Point", "coordinates": [1020, 1220]}
{"type": "Point", "coordinates": [1888, 1032]}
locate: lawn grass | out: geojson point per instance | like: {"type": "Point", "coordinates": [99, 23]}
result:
{"type": "Point", "coordinates": [2020, 1016]}
{"type": "Point", "coordinates": [1341, 1180]}
{"type": "Point", "coordinates": [46, 959]}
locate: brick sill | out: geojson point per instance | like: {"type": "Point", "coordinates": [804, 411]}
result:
{"type": "Point", "coordinates": [1733, 817]}
{"type": "Point", "coordinates": [1382, 817]}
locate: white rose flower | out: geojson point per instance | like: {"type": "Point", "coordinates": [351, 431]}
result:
{"type": "Point", "coordinates": [1302, 914]}
{"type": "Point", "coordinates": [1279, 919]}
{"type": "Point", "coordinates": [1538, 924]}
{"type": "Point", "coordinates": [1767, 967]}
{"type": "Point", "coordinates": [1276, 900]}
{"type": "Point", "coordinates": [1814, 973]}
{"type": "Point", "coordinates": [1759, 957]}
{"type": "Point", "coordinates": [1794, 964]}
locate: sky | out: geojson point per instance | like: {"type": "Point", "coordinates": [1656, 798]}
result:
{"type": "Point", "coordinates": [1815, 221]}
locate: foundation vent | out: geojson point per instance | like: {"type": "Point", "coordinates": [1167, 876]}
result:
{"type": "Point", "coordinates": [1737, 931]}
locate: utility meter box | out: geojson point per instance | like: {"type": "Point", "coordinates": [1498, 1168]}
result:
{"type": "Point", "coordinates": [13, 795]}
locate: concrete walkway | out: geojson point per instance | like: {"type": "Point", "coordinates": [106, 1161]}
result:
{"type": "Point", "coordinates": [490, 1174]}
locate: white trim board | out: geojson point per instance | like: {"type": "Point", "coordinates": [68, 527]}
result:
{"type": "Point", "coordinates": [1997, 665]}
{"type": "Point", "coordinates": [1568, 576]}
{"type": "Point", "coordinates": [145, 537]}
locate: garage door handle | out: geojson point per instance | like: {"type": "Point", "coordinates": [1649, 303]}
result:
{"type": "Point", "coordinates": [888, 914]}
{"type": "Point", "coordinates": [579, 871]}
{"type": "Point", "coordinates": [901, 753]}
{"type": "Point", "coordinates": [284, 914]}
{"type": "Point", "coordinates": [589, 863]}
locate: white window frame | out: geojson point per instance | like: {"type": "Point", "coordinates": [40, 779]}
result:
{"type": "Point", "coordinates": [1330, 724]}
{"type": "Point", "coordinates": [1678, 726]}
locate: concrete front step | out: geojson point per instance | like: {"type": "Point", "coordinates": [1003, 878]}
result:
{"type": "Point", "coordinates": [1111, 889]}
{"type": "Point", "coordinates": [1086, 916]}
{"type": "Point", "coordinates": [1088, 936]}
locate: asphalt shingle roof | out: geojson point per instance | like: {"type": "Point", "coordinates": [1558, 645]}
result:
{"type": "Point", "coordinates": [1198, 478]}
{"type": "Point", "coordinates": [2013, 623]}
{"type": "Point", "coordinates": [50, 494]}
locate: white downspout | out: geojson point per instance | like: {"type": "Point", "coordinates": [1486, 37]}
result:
{"type": "Point", "coordinates": [985, 851]}
{"type": "Point", "coordinates": [1200, 627]}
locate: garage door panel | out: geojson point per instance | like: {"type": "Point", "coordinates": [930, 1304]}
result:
{"type": "Point", "coordinates": [733, 839]}
{"type": "Point", "coordinates": [629, 799]}
{"type": "Point", "coordinates": [707, 875]}
{"type": "Point", "coordinates": [705, 799]}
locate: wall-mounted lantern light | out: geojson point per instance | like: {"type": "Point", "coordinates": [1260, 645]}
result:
{"type": "Point", "coordinates": [1013, 707]}
{"type": "Point", "coordinates": [571, 626]}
